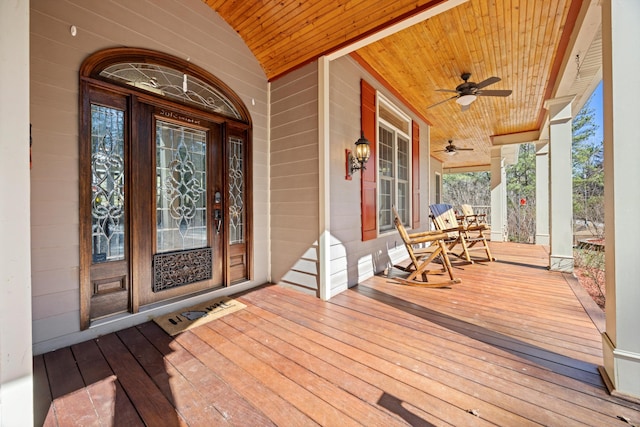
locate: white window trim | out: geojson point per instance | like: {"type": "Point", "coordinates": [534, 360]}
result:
{"type": "Point", "coordinates": [381, 99]}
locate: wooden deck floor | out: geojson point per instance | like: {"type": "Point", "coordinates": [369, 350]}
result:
{"type": "Point", "coordinates": [511, 345]}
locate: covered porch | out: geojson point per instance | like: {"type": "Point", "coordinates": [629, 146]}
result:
{"type": "Point", "coordinates": [513, 344]}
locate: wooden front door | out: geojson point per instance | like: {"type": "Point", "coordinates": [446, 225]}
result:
{"type": "Point", "coordinates": [165, 183]}
{"type": "Point", "coordinates": [178, 234]}
{"type": "Point", "coordinates": [157, 205]}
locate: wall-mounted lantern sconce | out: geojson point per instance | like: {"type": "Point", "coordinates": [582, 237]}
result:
{"type": "Point", "coordinates": [358, 159]}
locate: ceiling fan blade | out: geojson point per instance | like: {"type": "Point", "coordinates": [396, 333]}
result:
{"type": "Point", "coordinates": [494, 92]}
{"type": "Point", "coordinates": [442, 102]}
{"type": "Point", "coordinates": [489, 81]}
{"type": "Point", "coordinates": [446, 90]}
{"type": "Point", "coordinates": [464, 149]}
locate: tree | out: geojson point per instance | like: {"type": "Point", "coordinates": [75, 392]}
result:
{"type": "Point", "coordinates": [470, 188]}
{"type": "Point", "coordinates": [521, 195]}
{"type": "Point", "coordinates": [588, 183]}
{"type": "Point", "coordinates": [588, 173]}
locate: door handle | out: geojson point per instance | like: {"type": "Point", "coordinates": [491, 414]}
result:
{"type": "Point", "coordinates": [217, 217]}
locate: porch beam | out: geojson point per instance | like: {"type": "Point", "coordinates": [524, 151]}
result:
{"type": "Point", "coordinates": [561, 184]}
{"type": "Point", "coordinates": [442, 6]}
{"type": "Point", "coordinates": [620, 35]}
{"type": "Point", "coordinates": [16, 356]}
{"type": "Point", "coordinates": [515, 138]}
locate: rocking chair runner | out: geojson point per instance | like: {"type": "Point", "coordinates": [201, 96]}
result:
{"type": "Point", "coordinates": [422, 256]}
{"type": "Point", "coordinates": [468, 236]}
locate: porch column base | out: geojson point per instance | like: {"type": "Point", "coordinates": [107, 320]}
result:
{"type": "Point", "coordinates": [621, 371]}
{"type": "Point", "coordinates": [561, 263]}
{"type": "Point", "coordinates": [542, 239]}
{"type": "Point", "coordinates": [497, 237]}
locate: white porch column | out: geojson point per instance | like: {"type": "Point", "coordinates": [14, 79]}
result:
{"type": "Point", "coordinates": [324, 184]}
{"type": "Point", "coordinates": [16, 375]}
{"type": "Point", "coordinates": [621, 341]}
{"type": "Point", "coordinates": [561, 190]}
{"type": "Point", "coordinates": [498, 196]}
{"type": "Point", "coordinates": [542, 193]}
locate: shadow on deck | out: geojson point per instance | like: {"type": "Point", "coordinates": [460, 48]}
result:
{"type": "Point", "coordinates": [510, 345]}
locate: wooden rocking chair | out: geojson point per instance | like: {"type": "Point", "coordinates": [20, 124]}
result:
{"type": "Point", "coordinates": [421, 256]}
{"type": "Point", "coordinates": [471, 218]}
{"type": "Point", "coordinates": [466, 235]}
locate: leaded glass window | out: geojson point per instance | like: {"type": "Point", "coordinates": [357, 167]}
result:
{"type": "Point", "coordinates": [236, 191]}
{"type": "Point", "coordinates": [181, 210]}
{"type": "Point", "coordinates": [107, 184]}
{"type": "Point", "coordinates": [171, 83]}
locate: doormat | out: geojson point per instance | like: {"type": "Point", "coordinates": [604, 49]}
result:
{"type": "Point", "coordinates": [191, 317]}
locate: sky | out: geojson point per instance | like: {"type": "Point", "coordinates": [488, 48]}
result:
{"type": "Point", "coordinates": [595, 102]}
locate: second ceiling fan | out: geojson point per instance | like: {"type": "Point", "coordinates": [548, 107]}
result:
{"type": "Point", "coordinates": [452, 150]}
{"type": "Point", "coordinates": [467, 92]}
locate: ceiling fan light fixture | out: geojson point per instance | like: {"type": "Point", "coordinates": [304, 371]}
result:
{"type": "Point", "coordinates": [452, 152]}
{"type": "Point", "coordinates": [465, 100]}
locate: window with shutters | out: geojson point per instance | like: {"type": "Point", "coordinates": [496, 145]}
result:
{"type": "Point", "coordinates": [394, 165]}
{"type": "Point", "coordinates": [392, 178]}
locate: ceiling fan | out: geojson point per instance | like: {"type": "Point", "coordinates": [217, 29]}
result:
{"type": "Point", "coordinates": [467, 92]}
{"type": "Point", "coordinates": [452, 150]}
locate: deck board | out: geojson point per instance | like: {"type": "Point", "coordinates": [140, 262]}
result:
{"type": "Point", "coordinates": [510, 345]}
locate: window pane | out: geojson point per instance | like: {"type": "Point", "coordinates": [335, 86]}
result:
{"type": "Point", "coordinates": [107, 184]}
{"type": "Point", "coordinates": [386, 202]}
{"type": "Point", "coordinates": [403, 158]}
{"type": "Point", "coordinates": [236, 194]}
{"type": "Point", "coordinates": [385, 147]}
{"type": "Point", "coordinates": [181, 212]}
{"type": "Point", "coordinates": [403, 201]}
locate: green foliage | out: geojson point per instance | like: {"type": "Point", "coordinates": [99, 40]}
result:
{"type": "Point", "coordinates": [588, 173]}
{"type": "Point", "coordinates": [521, 187]}
{"type": "Point", "coordinates": [588, 183]}
{"type": "Point", "coordinates": [471, 188]}
{"type": "Point", "coordinates": [590, 264]}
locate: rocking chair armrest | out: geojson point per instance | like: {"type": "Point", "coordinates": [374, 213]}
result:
{"type": "Point", "coordinates": [477, 227]}
{"type": "Point", "coordinates": [422, 234]}
{"type": "Point", "coordinates": [449, 230]}
{"type": "Point", "coordinates": [429, 236]}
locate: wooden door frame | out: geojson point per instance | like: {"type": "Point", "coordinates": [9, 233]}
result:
{"type": "Point", "coordinates": [91, 80]}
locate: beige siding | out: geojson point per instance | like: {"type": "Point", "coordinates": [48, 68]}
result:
{"type": "Point", "coordinates": [351, 259]}
{"type": "Point", "coordinates": [294, 179]}
{"type": "Point", "coordinates": [184, 28]}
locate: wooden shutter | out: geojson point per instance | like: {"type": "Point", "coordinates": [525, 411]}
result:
{"type": "Point", "coordinates": [368, 189]}
{"type": "Point", "coordinates": [415, 179]}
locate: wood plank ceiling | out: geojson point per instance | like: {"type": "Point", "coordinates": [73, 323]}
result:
{"type": "Point", "coordinates": [521, 41]}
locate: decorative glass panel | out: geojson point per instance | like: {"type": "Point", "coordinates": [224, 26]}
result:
{"type": "Point", "coordinates": [181, 211]}
{"type": "Point", "coordinates": [107, 184]}
{"type": "Point", "coordinates": [173, 84]}
{"type": "Point", "coordinates": [236, 191]}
